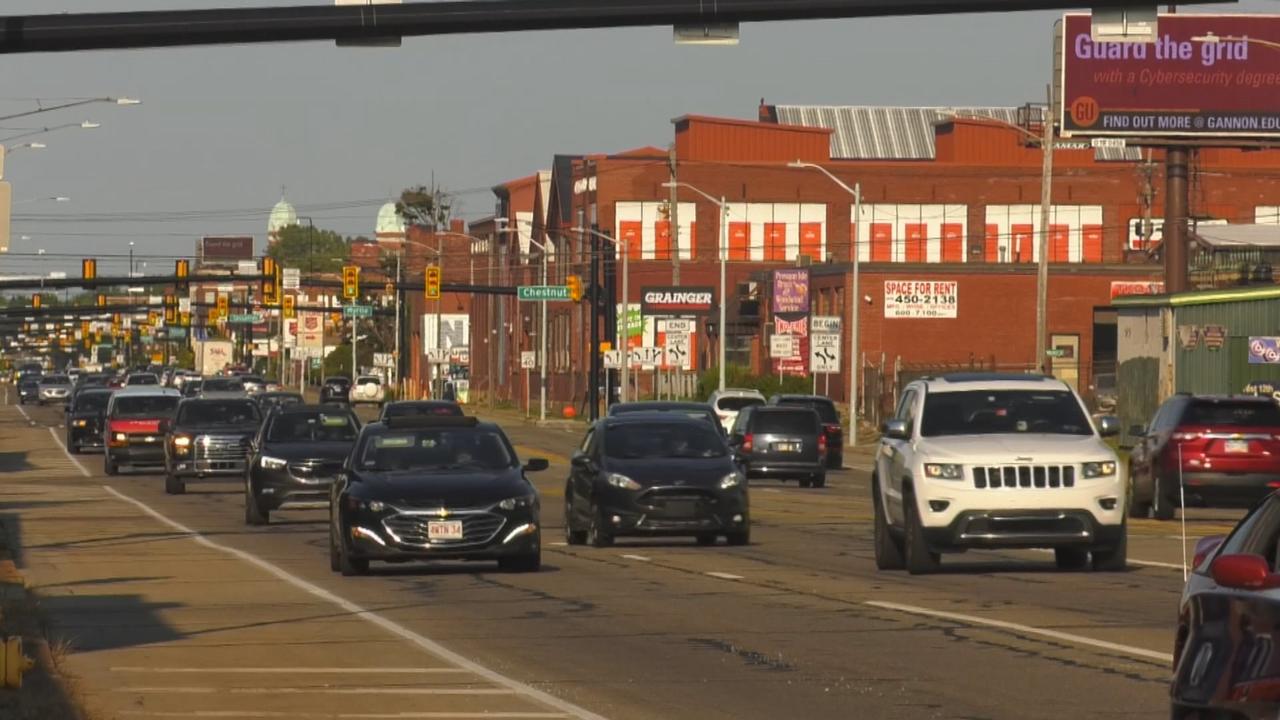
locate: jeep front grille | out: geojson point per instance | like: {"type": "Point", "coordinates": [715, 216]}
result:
{"type": "Point", "coordinates": [1024, 476]}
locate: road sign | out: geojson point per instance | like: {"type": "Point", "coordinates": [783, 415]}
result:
{"type": "Point", "coordinates": [438, 355]}
{"type": "Point", "coordinates": [244, 318]}
{"type": "Point", "coordinates": [528, 359]}
{"type": "Point", "coordinates": [1109, 143]}
{"type": "Point", "coordinates": [677, 325]}
{"type": "Point", "coordinates": [824, 324]}
{"type": "Point", "coordinates": [460, 355]}
{"type": "Point", "coordinates": [175, 333]}
{"type": "Point", "coordinates": [824, 353]}
{"type": "Point", "coordinates": [184, 304]}
{"type": "Point", "coordinates": [357, 311]}
{"type": "Point", "coordinates": [543, 293]}
{"type": "Point", "coordinates": [646, 355]}
{"type": "Point", "coordinates": [291, 279]}
{"type": "Point", "coordinates": [676, 349]}
{"type": "Point", "coordinates": [782, 347]}
{"type": "Point", "coordinates": [1055, 352]}
{"type": "Point", "coordinates": [613, 359]}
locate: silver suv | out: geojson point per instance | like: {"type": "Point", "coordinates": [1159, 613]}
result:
{"type": "Point", "coordinates": [997, 461]}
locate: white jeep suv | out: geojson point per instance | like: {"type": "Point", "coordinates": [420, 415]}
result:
{"type": "Point", "coordinates": [996, 461]}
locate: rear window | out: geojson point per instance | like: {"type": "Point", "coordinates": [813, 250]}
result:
{"type": "Point", "coordinates": [826, 410]}
{"type": "Point", "coordinates": [737, 403]}
{"type": "Point", "coordinates": [222, 385]}
{"type": "Point", "coordinates": [369, 381]}
{"type": "Point", "coordinates": [143, 379]}
{"type": "Point", "coordinates": [395, 410]}
{"type": "Point", "coordinates": [789, 422]}
{"type": "Point", "coordinates": [217, 412]}
{"type": "Point", "coordinates": [1210, 414]}
{"type": "Point", "coordinates": [145, 406]}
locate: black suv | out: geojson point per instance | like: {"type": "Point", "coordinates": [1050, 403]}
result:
{"type": "Point", "coordinates": [296, 457]}
{"type": "Point", "coordinates": [655, 474]}
{"type": "Point", "coordinates": [336, 389]}
{"type": "Point", "coordinates": [830, 416]}
{"type": "Point", "coordinates": [434, 488]}
{"type": "Point", "coordinates": [781, 442]}
{"type": "Point", "coordinates": [28, 389]}
{"type": "Point", "coordinates": [86, 418]}
{"type": "Point", "coordinates": [208, 437]}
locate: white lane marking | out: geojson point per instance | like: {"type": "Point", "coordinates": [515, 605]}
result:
{"type": "Point", "coordinates": [1025, 629]}
{"type": "Point", "coordinates": [770, 490]}
{"type": "Point", "coordinates": [638, 558]}
{"type": "Point", "coordinates": [423, 642]}
{"type": "Point", "coordinates": [70, 457]}
{"type": "Point", "coordinates": [23, 412]}
{"type": "Point", "coordinates": [293, 670]}
{"type": "Point", "coordinates": [428, 715]}
{"type": "Point", "coordinates": [724, 576]}
{"type": "Point", "coordinates": [314, 691]}
{"type": "Point", "coordinates": [558, 544]}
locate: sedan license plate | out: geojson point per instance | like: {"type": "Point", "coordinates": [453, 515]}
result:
{"type": "Point", "coordinates": [1237, 446]}
{"type": "Point", "coordinates": [444, 530]}
{"type": "Point", "coordinates": [788, 447]}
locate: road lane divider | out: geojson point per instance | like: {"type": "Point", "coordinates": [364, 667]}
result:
{"type": "Point", "coordinates": [418, 640]}
{"type": "Point", "coordinates": [74, 460]}
{"type": "Point", "coordinates": [724, 576]}
{"type": "Point", "coordinates": [290, 670]}
{"type": "Point", "coordinates": [974, 620]}
{"type": "Point", "coordinates": [637, 558]}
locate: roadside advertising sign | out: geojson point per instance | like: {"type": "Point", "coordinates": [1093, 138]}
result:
{"type": "Point", "coordinates": [921, 298]}
{"type": "Point", "coordinates": [1204, 76]}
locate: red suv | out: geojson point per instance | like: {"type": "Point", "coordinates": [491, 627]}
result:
{"type": "Point", "coordinates": [1224, 451]}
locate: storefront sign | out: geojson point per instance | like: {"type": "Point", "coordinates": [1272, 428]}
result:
{"type": "Point", "coordinates": [1264, 351]}
{"type": "Point", "coordinates": [921, 298]}
{"type": "Point", "coordinates": [1122, 288]}
{"type": "Point", "coordinates": [1215, 336]}
{"type": "Point", "coordinates": [790, 291]}
{"type": "Point", "coordinates": [677, 300]}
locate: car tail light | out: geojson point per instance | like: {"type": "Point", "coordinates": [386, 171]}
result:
{"type": "Point", "coordinates": [747, 441]}
{"type": "Point", "coordinates": [832, 428]}
{"type": "Point", "coordinates": [822, 444]}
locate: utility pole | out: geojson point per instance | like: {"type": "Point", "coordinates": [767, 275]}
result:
{"type": "Point", "coordinates": [439, 317]}
{"type": "Point", "coordinates": [395, 364]}
{"type": "Point", "coordinates": [1174, 244]}
{"type": "Point", "coordinates": [1042, 269]}
{"type": "Point", "coordinates": [675, 224]}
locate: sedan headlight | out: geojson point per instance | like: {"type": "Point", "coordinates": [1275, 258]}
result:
{"type": "Point", "coordinates": [943, 471]}
{"type": "Point", "coordinates": [527, 501]}
{"type": "Point", "coordinates": [354, 503]}
{"type": "Point", "coordinates": [1099, 469]}
{"type": "Point", "coordinates": [81, 423]}
{"type": "Point", "coordinates": [270, 463]}
{"type": "Point", "coordinates": [732, 480]}
{"type": "Point", "coordinates": [622, 481]}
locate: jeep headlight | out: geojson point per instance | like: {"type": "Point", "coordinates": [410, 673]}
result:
{"type": "Point", "coordinates": [1099, 469]}
{"type": "Point", "coordinates": [943, 471]}
{"type": "Point", "coordinates": [518, 502]}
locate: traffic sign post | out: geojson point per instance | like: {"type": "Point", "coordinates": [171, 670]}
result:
{"type": "Point", "coordinates": [824, 357]}
{"type": "Point", "coordinates": [543, 293]}
{"type": "Point", "coordinates": [357, 311]}
{"type": "Point", "coordinates": [528, 359]}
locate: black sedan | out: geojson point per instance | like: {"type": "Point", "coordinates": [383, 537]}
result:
{"type": "Point", "coordinates": [406, 408]}
{"type": "Point", "coordinates": [1224, 664]}
{"type": "Point", "coordinates": [434, 488]}
{"type": "Point", "coordinates": [86, 418]}
{"type": "Point", "coordinates": [336, 389]}
{"type": "Point", "coordinates": [655, 474]}
{"type": "Point", "coordinates": [702, 411]}
{"type": "Point", "coordinates": [296, 457]}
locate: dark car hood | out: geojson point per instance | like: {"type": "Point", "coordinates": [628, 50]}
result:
{"type": "Point", "coordinates": [441, 489]}
{"type": "Point", "coordinates": [215, 429]}
{"type": "Point", "coordinates": [693, 472]}
{"type": "Point", "coordinates": [309, 450]}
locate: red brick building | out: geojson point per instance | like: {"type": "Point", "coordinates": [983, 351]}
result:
{"type": "Point", "coordinates": [947, 196]}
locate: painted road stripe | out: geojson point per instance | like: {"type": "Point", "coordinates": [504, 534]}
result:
{"type": "Point", "coordinates": [428, 715]}
{"type": "Point", "coordinates": [421, 641]}
{"type": "Point", "coordinates": [558, 544]}
{"type": "Point", "coordinates": [292, 670]}
{"type": "Point", "coordinates": [1025, 629]}
{"type": "Point", "coordinates": [72, 458]}
{"type": "Point", "coordinates": [724, 576]}
{"type": "Point", "coordinates": [638, 558]}
{"type": "Point", "coordinates": [1132, 561]}
{"type": "Point", "coordinates": [25, 416]}
{"type": "Point", "coordinates": [313, 691]}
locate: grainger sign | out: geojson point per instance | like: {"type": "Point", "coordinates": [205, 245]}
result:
{"type": "Point", "coordinates": [1205, 76]}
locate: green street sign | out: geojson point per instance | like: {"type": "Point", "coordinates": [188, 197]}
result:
{"type": "Point", "coordinates": [357, 311]}
{"type": "Point", "coordinates": [1055, 352]}
{"type": "Point", "coordinates": [543, 293]}
{"type": "Point", "coordinates": [175, 333]}
{"type": "Point", "coordinates": [244, 319]}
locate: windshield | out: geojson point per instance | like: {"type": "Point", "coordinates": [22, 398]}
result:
{"type": "Point", "coordinates": [143, 379]}
{"type": "Point", "coordinates": [826, 410]}
{"type": "Point", "coordinates": [145, 406]}
{"type": "Point", "coordinates": [988, 412]}
{"type": "Point", "coordinates": [1252, 413]}
{"type": "Point", "coordinates": [55, 380]}
{"type": "Point", "coordinates": [218, 412]}
{"type": "Point", "coordinates": [222, 385]}
{"type": "Point", "coordinates": [92, 402]}
{"type": "Point", "coordinates": [296, 427]}
{"type": "Point", "coordinates": [436, 450]}
{"type": "Point", "coordinates": [638, 441]}
{"type": "Point", "coordinates": [737, 403]}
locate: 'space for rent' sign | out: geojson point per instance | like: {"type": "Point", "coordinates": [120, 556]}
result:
{"type": "Point", "coordinates": [921, 298]}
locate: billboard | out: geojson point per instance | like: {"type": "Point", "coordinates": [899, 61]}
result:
{"type": "Point", "coordinates": [1204, 76]}
{"type": "Point", "coordinates": [921, 298]}
{"type": "Point", "coordinates": [226, 250]}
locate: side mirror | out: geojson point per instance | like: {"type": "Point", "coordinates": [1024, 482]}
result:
{"type": "Point", "coordinates": [896, 430]}
{"type": "Point", "coordinates": [536, 465]}
{"type": "Point", "coordinates": [1243, 572]}
{"type": "Point", "coordinates": [1205, 548]}
{"type": "Point", "coordinates": [1137, 431]}
{"type": "Point", "coordinates": [580, 460]}
{"type": "Point", "coordinates": [1109, 426]}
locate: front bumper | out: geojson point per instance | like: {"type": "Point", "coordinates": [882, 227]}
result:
{"type": "Point", "coordinates": [54, 396]}
{"type": "Point", "coordinates": [766, 469]}
{"type": "Point", "coordinates": [85, 437]}
{"type": "Point", "coordinates": [1024, 529]}
{"type": "Point", "coordinates": [659, 511]}
{"type": "Point", "coordinates": [135, 454]}
{"type": "Point", "coordinates": [371, 537]}
{"type": "Point", "coordinates": [187, 467]}
{"type": "Point", "coordinates": [277, 489]}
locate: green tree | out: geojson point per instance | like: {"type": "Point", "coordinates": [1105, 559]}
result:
{"type": "Point", "coordinates": [425, 207]}
{"type": "Point", "coordinates": [309, 250]}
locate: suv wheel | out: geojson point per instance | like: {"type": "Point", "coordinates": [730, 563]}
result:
{"type": "Point", "coordinates": [919, 559]}
{"type": "Point", "coordinates": [1161, 505]}
{"type": "Point", "coordinates": [1069, 558]}
{"type": "Point", "coordinates": [888, 548]}
{"type": "Point", "coordinates": [350, 566]}
{"type": "Point", "coordinates": [819, 480]}
{"type": "Point", "coordinates": [805, 482]}
{"type": "Point", "coordinates": [706, 539]}
{"type": "Point", "coordinates": [109, 466]}
{"type": "Point", "coordinates": [1116, 558]}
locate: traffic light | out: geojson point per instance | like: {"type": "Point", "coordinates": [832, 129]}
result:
{"type": "Point", "coordinates": [88, 269]}
{"type": "Point", "coordinates": [431, 283]}
{"type": "Point", "coordinates": [350, 282]}
{"type": "Point", "coordinates": [170, 310]}
{"type": "Point", "coordinates": [289, 306]}
{"type": "Point", "coordinates": [182, 269]}
{"type": "Point", "coordinates": [36, 300]}
{"type": "Point", "coordinates": [270, 282]}
{"type": "Point", "coordinates": [152, 317]}
{"type": "Point", "coordinates": [575, 287]}
{"type": "Point", "coordinates": [224, 306]}
{"type": "Point", "coordinates": [102, 300]}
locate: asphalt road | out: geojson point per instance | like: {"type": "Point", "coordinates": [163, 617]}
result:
{"type": "Point", "coordinates": [799, 624]}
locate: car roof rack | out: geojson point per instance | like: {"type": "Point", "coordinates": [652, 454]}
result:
{"type": "Point", "coordinates": [401, 422]}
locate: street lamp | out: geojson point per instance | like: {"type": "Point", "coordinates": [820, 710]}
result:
{"type": "Point", "coordinates": [855, 296]}
{"type": "Point", "coordinates": [85, 125]}
{"type": "Point", "coordinates": [624, 331]}
{"type": "Point", "coordinates": [24, 146]}
{"type": "Point", "coordinates": [130, 258]}
{"type": "Point", "coordinates": [56, 198]}
{"type": "Point", "coordinates": [724, 252]}
{"type": "Point", "coordinates": [75, 103]}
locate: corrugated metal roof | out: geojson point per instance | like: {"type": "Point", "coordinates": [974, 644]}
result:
{"type": "Point", "coordinates": [899, 133]}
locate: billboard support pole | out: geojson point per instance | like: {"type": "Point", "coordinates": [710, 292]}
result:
{"type": "Point", "coordinates": [1175, 220]}
{"type": "Point", "coordinates": [1042, 268]}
